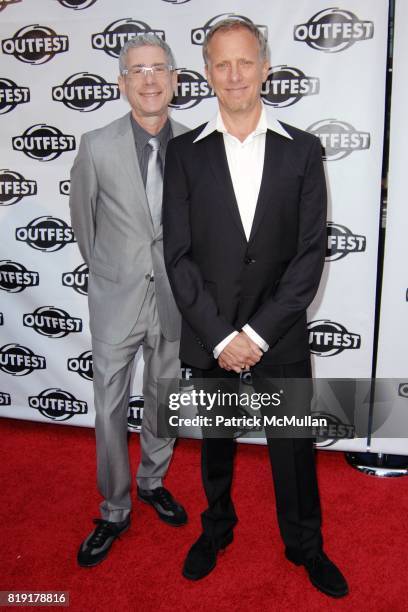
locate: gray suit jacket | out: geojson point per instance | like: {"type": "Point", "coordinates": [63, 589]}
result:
{"type": "Point", "coordinates": [112, 224]}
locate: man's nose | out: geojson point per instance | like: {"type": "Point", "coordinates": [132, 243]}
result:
{"type": "Point", "coordinates": [149, 76]}
{"type": "Point", "coordinates": [235, 73]}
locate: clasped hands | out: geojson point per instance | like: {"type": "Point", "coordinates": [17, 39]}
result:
{"type": "Point", "coordinates": [240, 354]}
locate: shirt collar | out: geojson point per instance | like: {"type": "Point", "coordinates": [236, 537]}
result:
{"type": "Point", "coordinates": [266, 122]}
{"type": "Point", "coordinates": [142, 137]}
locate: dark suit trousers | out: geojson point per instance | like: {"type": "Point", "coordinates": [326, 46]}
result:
{"type": "Point", "coordinates": [293, 470]}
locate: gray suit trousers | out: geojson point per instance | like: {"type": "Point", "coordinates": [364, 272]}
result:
{"type": "Point", "coordinates": [112, 366]}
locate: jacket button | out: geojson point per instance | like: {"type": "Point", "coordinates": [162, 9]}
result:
{"type": "Point", "coordinates": [249, 260]}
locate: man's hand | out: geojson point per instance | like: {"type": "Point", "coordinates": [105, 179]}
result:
{"type": "Point", "coordinates": [240, 354]}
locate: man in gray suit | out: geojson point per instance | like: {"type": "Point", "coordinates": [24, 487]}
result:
{"type": "Point", "coordinates": [115, 202]}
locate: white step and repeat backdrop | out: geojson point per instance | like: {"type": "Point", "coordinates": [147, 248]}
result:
{"type": "Point", "coordinates": [392, 420]}
{"type": "Point", "coordinates": [58, 73]}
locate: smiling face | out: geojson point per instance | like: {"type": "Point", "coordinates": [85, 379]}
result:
{"type": "Point", "coordinates": [235, 69]}
{"type": "Point", "coordinates": [150, 95]}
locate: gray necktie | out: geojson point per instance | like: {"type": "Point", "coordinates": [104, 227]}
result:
{"type": "Point", "coordinates": [154, 182]}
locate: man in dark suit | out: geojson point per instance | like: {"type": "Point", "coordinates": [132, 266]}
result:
{"type": "Point", "coordinates": [244, 241]}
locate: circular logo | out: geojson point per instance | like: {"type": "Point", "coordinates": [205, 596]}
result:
{"type": "Point", "coordinates": [339, 139]}
{"type": "Point", "coordinates": [11, 95]}
{"type": "Point", "coordinates": [85, 92]}
{"type": "Point", "coordinates": [35, 44]}
{"type": "Point", "coordinates": [77, 5]}
{"type": "Point", "coordinates": [341, 241]}
{"type": "Point", "coordinates": [14, 187]}
{"type": "Point", "coordinates": [331, 433]}
{"type": "Point", "coordinates": [46, 234]}
{"type": "Point", "coordinates": [285, 86]}
{"type": "Point", "coordinates": [52, 322]}
{"type": "Point", "coordinates": [43, 142]}
{"type": "Point", "coordinates": [82, 365]}
{"type": "Point", "coordinates": [135, 412]}
{"type": "Point", "coordinates": [57, 405]}
{"type": "Point", "coordinates": [112, 39]}
{"type": "Point", "coordinates": [65, 187]}
{"type": "Point", "coordinates": [192, 87]}
{"type": "Point", "coordinates": [14, 277]}
{"type": "Point", "coordinates": [327, 338]}
{"type": "Point", "coordinates": [198, 34]}
{"type": "Point", "coordinates": [19, 360]}
{"type": "Point", "coordinates": [78, 279]}
{"type": "Point", "coordinates": [333, 30]}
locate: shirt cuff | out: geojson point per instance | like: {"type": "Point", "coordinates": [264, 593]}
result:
{"type": "Point", "coordinates": [221, 345]}
{"type": "Point", "coordinates": [255, 337]}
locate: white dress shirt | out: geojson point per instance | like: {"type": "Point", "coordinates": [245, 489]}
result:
{"type": "Point", "coordinates": [245, 163]}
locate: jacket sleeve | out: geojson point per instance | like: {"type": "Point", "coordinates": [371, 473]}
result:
{"type": "Point", "coordinates": [299, 283]}
{"type": "Point", "coordinates": [82, 199]}
{"type": "Point", "coordinates": [193, 298]}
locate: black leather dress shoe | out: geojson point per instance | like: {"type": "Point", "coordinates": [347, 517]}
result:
{"type": "Point", "coordinates": [97, 545]}
{"type": "Point", "coordinates": [202, 556]}
{"type": "Point", "coordinates": [167, 508]}
{"type": "Point", "coordinates": [323, 574]}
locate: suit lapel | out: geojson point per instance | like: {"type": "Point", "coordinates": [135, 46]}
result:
{"type": "Point", "coordinates": [270, 178]}
{"type": "Point", "coordinates": [126, 150]}
{"type": "Point", "coordinates": [219, 165]}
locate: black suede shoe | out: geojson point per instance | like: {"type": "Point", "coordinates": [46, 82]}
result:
{"type": "Point", "coordinates": [202, 556]}
{"type": "Point", "coordinates": [323, 574]}
{"type": "Point", "coordinates": [97, 545]}
{"type": "Point", "coordinates": [168, 509]}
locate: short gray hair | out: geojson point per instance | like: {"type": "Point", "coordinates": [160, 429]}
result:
{"type": "Point", "coordinates": [227, 25]}
{"type": "Point", "coordinates": [145, 40]}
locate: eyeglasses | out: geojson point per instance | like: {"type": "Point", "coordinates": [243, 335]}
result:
{"type": "Point", "coordinates": [140, 71]}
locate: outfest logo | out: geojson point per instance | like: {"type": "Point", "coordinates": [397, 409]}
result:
{"type": "Point", "coordinates": [286, 85]}
{"type": "Point", "coordinates": [332, 30]}
{"type": "Point", "coordinates": [82, 365]}
{"type": "Point", "coordinates": [85, 92]}
{"type": "Point", "coordinates": [65, 187]}
{"type": "Point", "coordinates": [339, 139]}
{"type": "Point", "coordinates": [192, 87]}
{"type": "Point", "coordinates": [57, 405]}
{"type": "Point", "coordinates": [35, 44]}
{"type": "Point", "coordinates": [77, 5]}
{"type": "Point", "coordinates": [341, 241]}
{"type": "Point", "coordinates": [5, 398]}
{"type": "Point", "coordinates": [14, 187]}
{"type": "Point", "coordinates": [135, 412]}
{"type": "Point", "coordinates": [52, 322]}
{"type": "Point", "coordinates": [43, 142]}
{"type": "Point", "coordinates": [198, 34]}
{"type": "Point", "coordinates": [327, 338]}
{"type": "Point", "coordinates": [19, 360]}
{"type": "Point", "coordinates": [112, 39]}
{"type": "Point", "coordinates": [77, 279]}
{"type": "Point", "coordinates": [46, 234]}
{"type": "Point", "coordinates": [11, 95]}
{"type": "Point", "coordinates": [14, 277]}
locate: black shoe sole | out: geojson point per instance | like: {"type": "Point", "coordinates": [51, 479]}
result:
{"type": "Point", "coordinates": [228, 540]}
{"type": "Point", "coordinates": [164, 518]}
{"type": "Point", "coordinates": [327, 591]}
{"type": "Point", "coordinates": [106, 553]}
{"type": "Point", "coordinates": [316, 584]}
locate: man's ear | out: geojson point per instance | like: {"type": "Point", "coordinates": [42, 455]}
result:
{"type": "Point", "coordinates": [122, 86]}
{"type": "Point", "coordinates": [207, 75]}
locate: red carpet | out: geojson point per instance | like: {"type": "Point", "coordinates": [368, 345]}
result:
{"type": "Point", "coordinates": [49, 498]}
